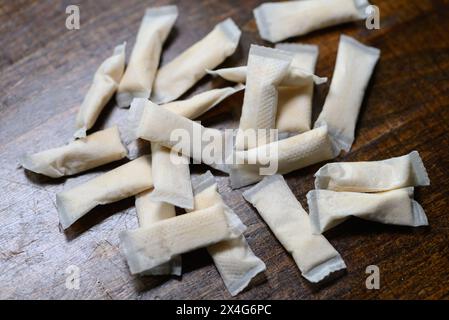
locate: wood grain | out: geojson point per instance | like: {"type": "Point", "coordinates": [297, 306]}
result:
{"type": "Point", "coordinates": [46, 70]}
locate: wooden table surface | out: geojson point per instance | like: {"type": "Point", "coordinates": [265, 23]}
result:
{"type": "Point", "coordinates": [45, 72]}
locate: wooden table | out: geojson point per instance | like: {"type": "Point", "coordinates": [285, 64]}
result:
{"type": "Point", "coordinates": [46, 70]}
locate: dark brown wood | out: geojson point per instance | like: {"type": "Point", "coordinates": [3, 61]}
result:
{"type": "Point", "coordinates": [45, 72]}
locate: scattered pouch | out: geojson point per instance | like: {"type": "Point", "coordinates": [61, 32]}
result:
{"type": "Point", "coordinates": [142, 66]}
{"type": "Point", "coordinates": [330, 208]}
{"type": "Point", "coordinates": [281, 20]}
{"type": "Point", "coordinates": [105, 83]}
{"type": "Point", "coordinates": [234, 74]}
{"type": "Point", "coordinates": [179, 75]}
{"type": "Point", "coordinates": [282, 156]}
{"type": "Point", "coordinates": [155, 123]}
{"type": "Point", "coordinates": [125, 181]}
{"type": "Point", "coordinates": [295, 77]}
{"type": "Point", "coordinates": [201, 103]}
{"type": "Point", "coordinates": [353, 69]}
{"type": "Point", "coordinates": [275, 202]}
{"type": "Point", "coordinates": [151, 246]}
{"type": "Point", "coordinates": [96, 149]}
{"type": "Point", "coordinates": [373, 176]}
{"type": "Point", "coordinates": [294, 110]}
{"type": "Point", "coordinates": [149, 212]}
{"type": "Point", "coordinates": [266, 68]}
{"type": "Point", "coordinates": [234, 259]}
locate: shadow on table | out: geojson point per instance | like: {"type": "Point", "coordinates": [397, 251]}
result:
{"type": "Point", "coordinates": [96, 216]}
{"type": "Point", "coordinates": [191, 261]}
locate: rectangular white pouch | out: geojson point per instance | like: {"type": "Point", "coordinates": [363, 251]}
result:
{"type": "Point", "coordinates": [295, 77]}
{"type": "Point", "coordinates": [233, 74]}
{"type": "Point", "coordinates": [353, 69]}
{"type": "Point", "coordinates": [171, 177]}
{"type": "Point", "coordinates": [155, 123]}
{"type": "Point", "coordinates": [179, 75]}
{"type": "Point", "coordinates": [151, 246]}
{"type": "Point", "coordinates": [125, 181]}
{"type": "Point", "coordinates": [282, 20]}
{"type": "Point", "coordinates": [330, 208]}
{"type": "Point", "coordinates": [281, 157]}
{"type": "Point", "coordinates": [294, 110]}
{"type": "Point", "coordinates": [142, 66]}
{"type": "Point", "coordinates": [373, 176]}
{"type": "Point", "coordinates": [149, 212]}
{"type": "Point", "coordinates": [234, 259]}
{"type": "Point", "coordinates": [105, 83]}
{"type": "Point", "coordinates": [266, 68]}
{"type": "Point", "coordinates": [313, 254]}
{"type": "Point", "coordinates": [96, 149]}
{"type": "Point", "coordinates": [201, 103]}
{"type": "Point", "coordinates": [189, 108]}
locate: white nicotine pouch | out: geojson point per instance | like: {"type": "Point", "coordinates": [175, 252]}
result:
{"type": "Point", "coordinates": [125, 181]}
{"type": "Point", "coordinates": [266, 69]}
{"type": "Point", "coordinates": [295, 77]}
{"type": "Point", "coordinates": [96, 149]}
{"type": "Point", "coordinates": [294, 109]}
{"type": "Point", "coordinates": [234, 74]}
{"type": "Point", "coordinates": [281, 157]}
{"type": "Point", "coordinates": [144, 61]}
{"type": "Point", "coordinates": [179, 75]}
{"type": "Point", "coordinates": [277, 205]}
{"type": "Point", "coordinates": [330, 208]}
{"type": "Point", "coordinates": [201, 103]}
{"type": "Point", "coordinates": [104, 85]}
{"type": "Point", "coordinates": [234, 259]}
{"type": "Point", "coordinates": [190, 108]}
{"type": "Point", "coordinates": [157, 124]}
{"type": "Point", "coordinates": [171, 177]}
{"type": "Point", "coordinates": [281, 20]}
{"type": "Point", "coordinates": [353, 69]}
{"type": "Point", "coordinates": [373, 176]}
{"type": "Point", "coordinates": [151, 246]}
{"type": "Point", "coordinates": [149, 212]}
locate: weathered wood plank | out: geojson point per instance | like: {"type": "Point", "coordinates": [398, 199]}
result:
{"type": "Point", "coordinates": [45, 72]}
